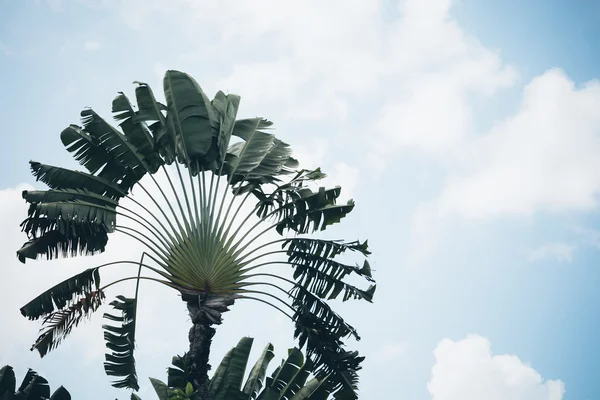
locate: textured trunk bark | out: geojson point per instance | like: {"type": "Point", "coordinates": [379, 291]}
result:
{"type": "Point", "coordinates": [205, 311]}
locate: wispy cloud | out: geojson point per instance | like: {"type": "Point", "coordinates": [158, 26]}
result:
{"type": "Point", "coordinates": [543, 158]}
{"type": "Point", "coordinates": [92, 45]}
{"type": "Point", "coordinates": [561, 252]}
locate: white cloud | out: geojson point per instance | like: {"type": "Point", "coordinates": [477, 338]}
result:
{"type": "Point", "coordinates": [340, 173]}
{"type": "Point", "coordinates": [467, 370]}
{"type": "Point", "coordinates": [543, 158]}
{"type": "Point", "coordinates": [561, 252]}
{"type": "Point", "coordinates": [92, 45]}
{"type": "Point", "coordinates": [434, 66]}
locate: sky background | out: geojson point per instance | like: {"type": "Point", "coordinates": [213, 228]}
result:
{"type": "Point", "coordinates": [468, 132]}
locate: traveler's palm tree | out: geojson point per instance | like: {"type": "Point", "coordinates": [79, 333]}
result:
{"type": "Point", "coordinates": [200, 243]}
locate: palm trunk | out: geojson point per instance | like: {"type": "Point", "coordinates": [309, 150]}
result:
{"type": "Point", "coordinates": [205, 311]}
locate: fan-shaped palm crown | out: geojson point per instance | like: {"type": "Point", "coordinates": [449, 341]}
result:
{"type": "Point", "coordinates": [196, 241]}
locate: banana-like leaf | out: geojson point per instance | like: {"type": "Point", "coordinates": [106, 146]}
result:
{"type": "Point", "coordinates": [115, 143]}
{"type": "Point", "coordinates": [278, 383]}
{"type": "Point", "coordinates": [321, 330]}
{"type": "Point", "coordinates": [228, 378]}
{"type": "Point", "coordinates": [319, 253]}
{"type": "Point", "coordinates": [59, 324]}
{"type": "Point", "coordinates": [244, 157]}
{"type": "Point", "coordinates": [136, 131]}
{"type": "Point", "coordinates": [227, 108]}
{"type": "Point", "coordinates": [284, 194]}
{"type": "Point", "coordinates": [53, 242]}
{"type": "Point", "coordinates": [313, 209]}
{"type": "Point", "coordinates": [307, 390]}
{"type": "Point", "coordinates": [75, 213]}
{"type": "Point", "coordinates": [33, 387]}
{"type": "Point", "coordinates": [326, 248]}
{"type": "Point", "coordinates": [151, 112]}
{"type": "Point", "coordinates": [193, 120]}
{"type": "Point", "coordinates": [92, 155]}
{"type": "Point", "coordinates": [61, 394]}
{"type": "Point", "coordinates": [261, 158]}
{"type": "Point", "coordinates": [50, 196]}
{"type": "Point", "coordinates": [62, 294]}
{"type": "Point", "coordinates": [62, 178]}
{"type": "Point", "coordinates": [257, 375]}
{"type": "Point", "coordinates": [161, 389]}
{"type": "Point", "coordinates": [329, 286]}
{"type": "Point", "coordinates": [299, 380]}
{"type": "Point", "coordinates": [276, 161]}
{"type": "Point", "coordinates": [85, 148]}
{"type": "Point", "coordinates": [176, 375]}
{"type": "Point", "coordinates": [8, 382]}
{"type": "Point", "coordinates": [317, 271]}
{"type": "Point", "coordinates": [74, 217]}
{"type": "Point", "coordinates": [121, 341]}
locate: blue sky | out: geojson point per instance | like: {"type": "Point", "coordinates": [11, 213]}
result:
{"type": "Point", "coordinates": [467, 132]}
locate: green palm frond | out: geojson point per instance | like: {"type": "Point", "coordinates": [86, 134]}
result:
{"type": "Point", "coordinates": [227, 107]}
{"type": "Point", "coordinates": [316, 270]}
{"type": "Point", "coordinates": [322, 331]}
{"type": "Point", "coordinates": [66, 195]}
{"type": "Point", "coordinates": [310, 210]}
{"type": "Point", "coordinates": [85, 149]}
{"type": "Point", "coordinates": [33, 387]}
{"type": "Point", "coordinates": [74, 212]}
{"type": "Point", "coordinates": [8, 381]}
{"type": "Point", "coordinates": [151, 112]}
{"type": "Point", "coordinates": [288, 378]}
{"type": "Point", "coordinates": [194, 122]}
{"type": "Point", "coordinates": [227, 380]}
{"type": "Point", "coordinates": [115, 143]}
{"type": "Point", "coordinates": [121, 341]}
{"type": "Point", "coordinates": [63, 294]}
{"type": "Point", "coordinates": [59, 324]}
{"type": "Point", "coordinates": [62, 178]}
{"type": "Point", "coordinates": [66, 221]}
{"type": "Point", "coordinates": [177, 373]}
{"type": "Point", "coordinates": [136, 131]}
{"type": "Point", "coordinates": [54, 242]}
{"type": "Point", "coordinates": [255, 380]}
{"type": "Point", "coordinates": [60, 394]}
{"type": "Point", "coordinates": [95, 158]}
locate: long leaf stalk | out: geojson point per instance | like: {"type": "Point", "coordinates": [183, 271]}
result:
{"type": "Point", "coordinates": [171, 239]}
{"type": "Point", "coordinates": [268, 304]}
{"type": "Point", "coordinates": [137, 278]}
{"type": "Point", "coordinates": [269, 294]}
{"type": "Point", "coordinates": [175, 231]}
{"type": "Point", "coordinates": [187, 201]}
{"type": "Point", "coordinates": [177, 200]}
